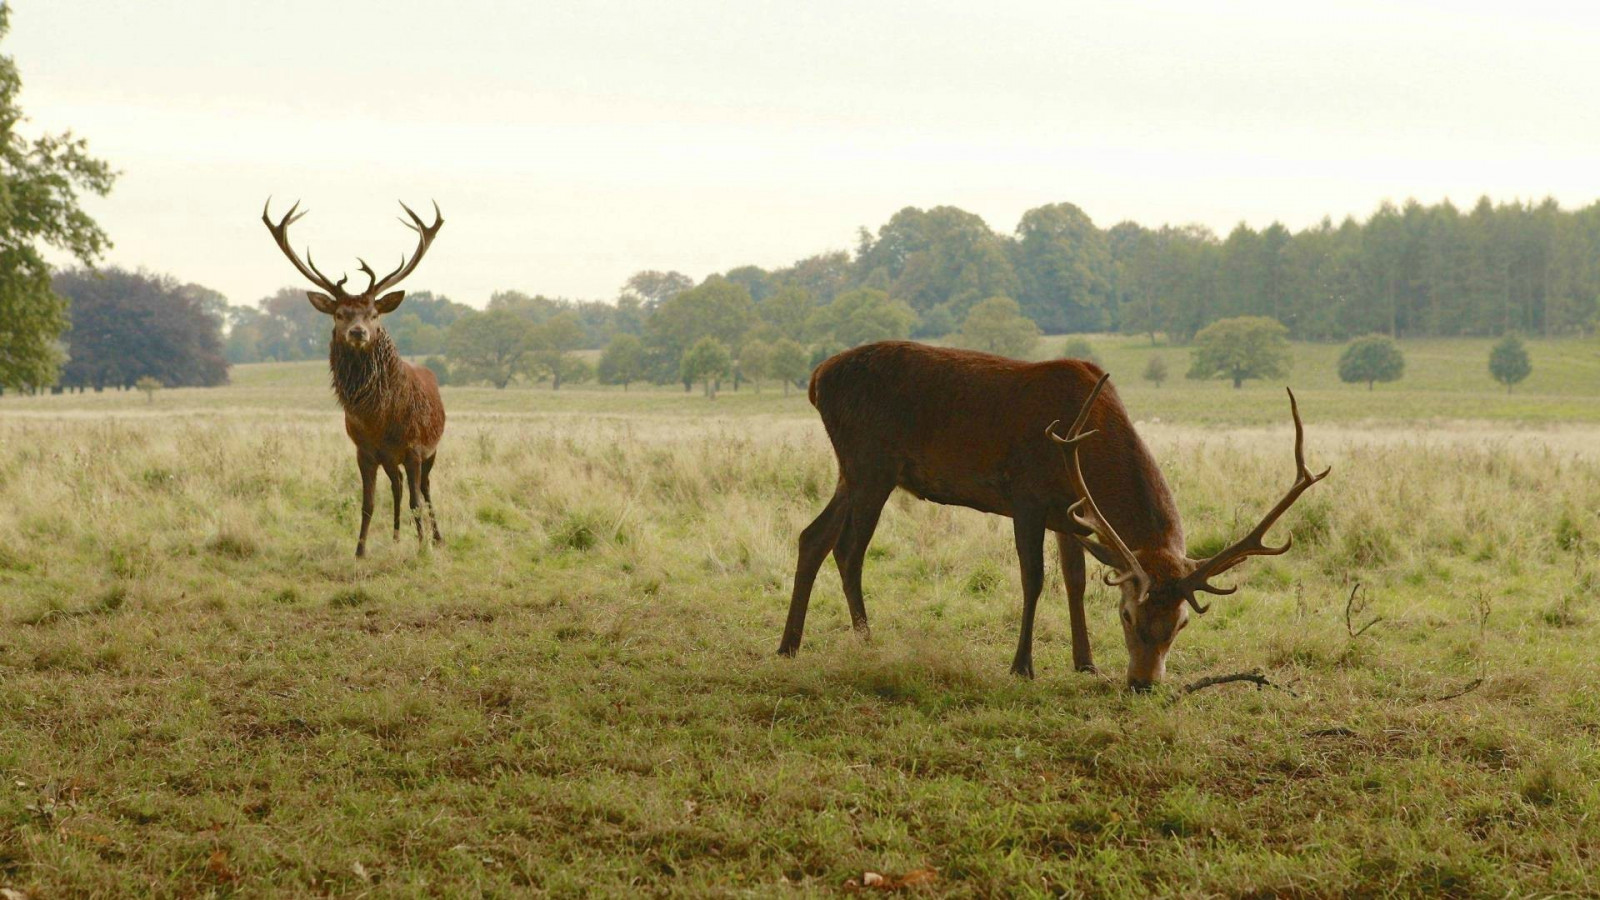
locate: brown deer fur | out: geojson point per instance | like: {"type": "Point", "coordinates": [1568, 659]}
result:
{"type": "Point", "coordinates": [392, 409]}
{"type": "Point", "coordinates": [968, 429]}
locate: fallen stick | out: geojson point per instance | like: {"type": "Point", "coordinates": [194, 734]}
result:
{"type": "Point", "coordinates": [1255, 678]}
{"type": "Point", "coordinates": [1471, 686]}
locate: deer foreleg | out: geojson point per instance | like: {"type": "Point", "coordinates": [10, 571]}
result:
{"type": "Point", "coordinates": [414, 484]}
{"type": "Point", "coordinates": [369, 480]}
{"type": "Point", "coordinates": [395, 484]}
{"type": "Point", "coordinates": [1075, 574]}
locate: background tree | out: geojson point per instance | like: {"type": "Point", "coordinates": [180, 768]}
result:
{"type": "Point", "coordinates": [622, 362]}
{"type": "Point", "coordinates": [653, 288]}
{"type": "Point", "coordinates": [440, 367]}
{"type": "Point", "coordinates": [1241, 348]}
{"type": "Point", "coordinates": [1155, 371]}
{"type": "Point", "coordinates": [148, 386]}
{"type": "Point", "coordinates": [1063, 265]}
{"type": "Point", "coordinates": [997, 325]}
{"type": "Point", "coordinates": [492, 346]}
{"type": "Point", "coordinates": [715, 308]}
{"type": "Point", "coordinates": [291, 328]}
{"type": "Point", "coordinates": [754, 358]}
{"type": "Point", "coordinates": [553, 342]}
{"type": "Point", "coordinates": [1509, 362]}
{"type": "Point", "coordinates": [1079, 348]}
{"type": "Point", "coordinates": [860, 317]}
{"type": "Point", "coordinates": [707, 361]}
{"type": "Point", "coordinates": [40, 183]}
{"type": "Point", "coordinates": [786, 312]}
{"type": "Point", "coordinates": [1373, 358]}
{"type": "Point", "coordinates": [129, 325]}
{"type": "Point", "coordinates": [789, 363]}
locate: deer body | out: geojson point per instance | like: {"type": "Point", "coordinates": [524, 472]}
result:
{"type": "Point", "coordinates": [392, 409]}
{"type": "Point", "coordinates": [969, 429]}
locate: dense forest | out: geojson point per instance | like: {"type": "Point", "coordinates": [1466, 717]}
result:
{"type": "Point", "coordinates": [1409, 271]}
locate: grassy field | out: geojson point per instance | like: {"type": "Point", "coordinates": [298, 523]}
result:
{"type": "Point", "coordinates": [203, 693]}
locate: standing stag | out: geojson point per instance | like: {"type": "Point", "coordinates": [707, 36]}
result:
{"type": "Point", "coordinates": [969, 429]}
{"type": "Point", "coordinates": [392, 409]}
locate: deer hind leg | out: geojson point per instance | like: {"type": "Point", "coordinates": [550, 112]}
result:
{"type": "Point", "coordinates": [414, 484]}
{"type": "Point", "coordinates": [369, 480]}
{"type": "Point", "coordinates": [850, 553]}
{"type": "Point", "coordinates": [427, 498]}
{"type": "Point", "coordinates": [1029, 530]}
{"type": "Point", "coordinates": [816, 542]}
{"type": "Point", "coordinates": [1074, 572]}
{"type": "Point", "coordinates": [395, 485]}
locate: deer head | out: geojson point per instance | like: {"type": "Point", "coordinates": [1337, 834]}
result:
{"type": "Point", "coordinates": [355, 316]}
{"type": "Point", "coordinates": [1159, 591]}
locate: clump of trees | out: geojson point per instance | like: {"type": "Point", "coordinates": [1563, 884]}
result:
{"type": "Point", "coordinates": [1509, 362]}
{"type": "Point", "coordinates": [1241, 348]}
{"type": "Point", "coordinates": [132, 325]}
{"type": "Point", "coordinates": [1371, 359]}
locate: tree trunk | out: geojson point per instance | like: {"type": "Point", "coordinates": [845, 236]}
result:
{"type": "Point", "coordinates": [1369, 385]}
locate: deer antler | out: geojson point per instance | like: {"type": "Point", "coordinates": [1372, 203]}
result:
{"type": "Point", "coordinates": [1251, 544]}
{"type": "Point", "coordinates": [280, 234]}
{"type": "Point", "coordinates": [425, 235]}
{"type": "Point", "coordinates": [1085, 512]}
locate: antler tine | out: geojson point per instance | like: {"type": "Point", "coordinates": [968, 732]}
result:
{"type": "Point", "coordinates": [280, 235]}
{"type": "Point", "coordinates": [425, 236]}
{"type": "Point", "coordinates": [1085, 512]}
{"type": "Point", "coordinates": [343, 276]}
{"type": "Point", "coordinates": [372, 277]}
{"type": "Point", "coordinates": [1253, 543]}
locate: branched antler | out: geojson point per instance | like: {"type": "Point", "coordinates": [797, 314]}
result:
{"type": "Point", "coordinates": [1085, 512]}
{"type": "Point", "coordinates": [375, 285]}
{"type": "Point", "coordinates": [280, 234]}
{"type": "Point", "coordinates": [1252, 544]}
{"type": "Point", "coordinates": [425, 236]}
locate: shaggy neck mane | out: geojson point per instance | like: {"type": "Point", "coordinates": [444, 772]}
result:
{"type": "Point", "coordinates": [366, 380]}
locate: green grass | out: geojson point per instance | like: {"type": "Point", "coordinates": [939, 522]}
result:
{"type": "Point", "coordinates": [203, 693]}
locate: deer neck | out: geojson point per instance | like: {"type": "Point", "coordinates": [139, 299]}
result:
{"type": "Point", "coordinates": [366, 380]}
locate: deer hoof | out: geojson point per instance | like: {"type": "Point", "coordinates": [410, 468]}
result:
{"type": "Point", "coordinates": [1022, 670]}
{"type": "Point", "coordinates": [361, 550]}
{"type": "Point", "coordinates": [1087, 668]}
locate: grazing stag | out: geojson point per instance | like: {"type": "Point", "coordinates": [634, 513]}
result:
{"type": "Point", "coordinates": [970, 429]}
{"type": "Point", "coordinates": [392, 409]}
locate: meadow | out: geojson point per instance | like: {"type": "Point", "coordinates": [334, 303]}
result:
{"type": "Point", "coordinates": [202, 692]}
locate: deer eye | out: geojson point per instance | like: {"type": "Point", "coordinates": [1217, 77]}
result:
{"type": "Point", "coordinates": [1127, 616]}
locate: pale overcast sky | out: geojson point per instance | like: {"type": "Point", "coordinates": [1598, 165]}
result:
{"type": "Point", "coordinates": [572, 143]}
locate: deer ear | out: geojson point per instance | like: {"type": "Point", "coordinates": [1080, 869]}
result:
{"type": "Point", "coordinates": [389, 301]}
{"type": "Point", "coordinates": [322, 302]}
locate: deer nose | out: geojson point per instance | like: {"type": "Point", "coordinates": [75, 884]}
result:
{"type": "Point", "coordinates": [358, 334]}
{"type": "Point", "coordinates": [1139, 687]}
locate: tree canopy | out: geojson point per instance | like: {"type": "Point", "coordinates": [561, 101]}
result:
{"type": "Point", "coordinates": [1373, 358]}
{"type": "Point", "coordinates": [1241, 348]}
{"type": "Point", "coordinates": [1509, 362]}
{"type": "Point", "coordinates": [132, 325]}
{"type": "Point", "coordinates": [997, 325]}
{"type": "Point", "coordinates": [41, 181]}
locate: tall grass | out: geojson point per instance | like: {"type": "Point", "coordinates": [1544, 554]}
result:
{"type": "Point", "coordinates": [202, 691]}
